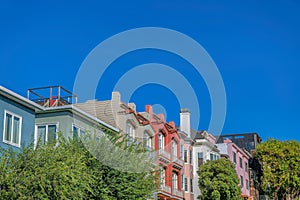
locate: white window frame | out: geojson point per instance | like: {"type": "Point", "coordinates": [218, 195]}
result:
{"type": "Point", "coordinates": [174, 148]}
{"type": "Point", "coordinates": [175, 180]}
{"type": "Point", "coordinates": [161, 138]}
{"type": "Point", "coordinates": [12, 128]}
{"type": "Point", "coordinates": [46, 136]}
{"type": "Point", "coordinates": [79, 130]}
{"type": "Point", "coordinates": [148, 138]}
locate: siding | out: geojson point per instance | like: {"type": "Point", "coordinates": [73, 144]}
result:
{"type": "Point", "coordinates": [28, 119]}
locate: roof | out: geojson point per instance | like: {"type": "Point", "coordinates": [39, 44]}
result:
{"type": "Point", "coordinates": [199, 135]}
{"type": "Point", "coordinates": [81, 112]}
{"type": "Point", "coordinates": [99, 109]}
{"type": "Point", "coordinates": [19, 99]}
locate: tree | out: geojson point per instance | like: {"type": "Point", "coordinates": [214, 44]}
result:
{"type": "Point", "coordinates": [218, 181]}
{"type": "Point", "coordinates": [280, 162]}
{"type": "Point", "coordinates": [69, 171]}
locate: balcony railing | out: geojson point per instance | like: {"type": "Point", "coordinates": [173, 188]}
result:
{"type": "Point", "coordinates": [178, 193]}
{"type": "Point", "coordinates": [163, 153]}
{"type": "Point", "coordinates": [165, 188]}
{"type": "Point", "coordinates": [177, 160]}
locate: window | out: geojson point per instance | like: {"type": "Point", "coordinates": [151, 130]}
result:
{"type": "Point", "coordinates": [130, 133]}
{"type": "Point", "coordinates": [182, 181]}
{"type": "Point", "coordinates": [46, 133]}
{"type": "Point", "coordinates": [12, 129]}
{"type": "Point", "coordinates": [147, 140]}
{"type": "Point", "coordinates": [185, 184]}
{"type": "Point", "coordinates": [161, 141]}
{"type": "Point", "coordinates": [247, 184]}
{"type": "Point", "coordinates": [191, 185]}
{"type": "Point", "coordinates": [211, 156]}
{"type": "Point", "coordinates": [174, 148]}
{"type": "Point", "coordinates": [246, 166]}
{"type": "Point", "coordinates": [162, 176]}
{"type": "Point", "coordinates": [77, 131]}
{"type": "Point", "coordinates": [241, 162]}
{"type": "Point", "coordinates": [181, 151]}
{"type": "Point", "coordinates": [200, 159]}
{"type": "Point", "coordinates": [191, 156]}
{"type": "Point", "coordinates": [242, 181]}
{"type": "Point", "coordinates": [185, 156]}
{"type": "Point", "coordinates": [234, 157]}
{"type": "Point", "coordinates": [174, 180]}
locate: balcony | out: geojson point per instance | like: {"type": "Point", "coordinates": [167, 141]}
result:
{"type": "Point", "coordinates": [178, 193]}
{"type": "Point", "coordinates": [51, 96]}
{"type": "Point", "coordinates": [164, 156]}
{"type": "Point", "coordinates": [177, 162]}
{"type": "Point", "coordinates": [165, 188]}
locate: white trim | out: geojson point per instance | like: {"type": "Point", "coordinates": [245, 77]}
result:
{"type": "Point", "coordinates": [12, 128]}
{"type": "Point", "coordinates": [79, 129]}
{"type": "Point", "coordinates": [23, 99]}
{"type": "Point", "coordinates": [46, 134]}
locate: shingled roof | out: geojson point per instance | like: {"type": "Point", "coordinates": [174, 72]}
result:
{"type": "Point", "coordinates": [99, 109]}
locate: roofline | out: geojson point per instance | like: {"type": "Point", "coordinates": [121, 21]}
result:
{"type": "Point", "coordinates": [19, 99]}
{"type": "Point", "coordinates": [83, 113]}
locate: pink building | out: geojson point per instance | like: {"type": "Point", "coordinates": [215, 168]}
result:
{"type": "Point", "coordinates": [240, 159]}
{"type": "Point", "coordinates": [186, 150]}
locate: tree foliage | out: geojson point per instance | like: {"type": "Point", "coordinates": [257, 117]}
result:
{"type": "Point", "coordinates": [218, 181]}
{"type": "Point", "coordinates": [67, 171]}
{"type": "Point", "coordinates": [280, 162]}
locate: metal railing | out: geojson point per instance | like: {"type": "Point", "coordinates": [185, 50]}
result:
{"type": "Point", "coordinates": [50, 96]}
{"type": "Point", "coordinates": [177, 160]}
{"type": "Point", "coordinates": [165, 188]}
{"type": "Point", "coordinates": [177, 192]}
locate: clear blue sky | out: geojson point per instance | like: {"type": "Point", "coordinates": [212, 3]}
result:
{"type": "Point", "coordinates": [255, 45]}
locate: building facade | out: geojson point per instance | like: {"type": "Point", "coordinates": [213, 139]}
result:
{"type": "Point", "coordinates": [187, 154]}
{"type": "Point", "coordinates": [17, 119]}
{"type": "Point", "coordinates": [204, 149]}
{"type": "Point", "coordinates": [167, 145]}
{"type": "Point", "coordinates": [240, 159]}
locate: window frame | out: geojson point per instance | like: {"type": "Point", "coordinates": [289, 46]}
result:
{"type": "Point", "coordinates": [80, 130]}
{"type": "Point", "coordinates": [12, 129]}
{"type": "Point", "coordinates": [242, 181]}
{"type": "Point", "coordinates": [185, 156]}
{"type": "Point", "coordinates": [161, 141]}
{"type": "Point", "coordinates": [46, 132]}
{"type": "Point", "coordinates": [234, 157]}
{"type": "Point", "coordinates": [241, 162]}
{"type": "Point", "coordinates": [186, 187]}
{"type": "Point", "coordinates": [191, 156]}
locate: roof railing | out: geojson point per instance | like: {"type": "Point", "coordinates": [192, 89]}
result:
{"type": "Point", "coordinates": [51, 96]}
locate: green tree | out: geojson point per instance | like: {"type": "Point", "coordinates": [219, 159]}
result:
{"type": "Point", "coordinates": [69, 171]}
{"type": "Point", "coordinates": [218, 181]}
{"type": "Point", "coordinates": [280, 162]}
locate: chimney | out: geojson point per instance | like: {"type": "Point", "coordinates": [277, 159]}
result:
{"type": "Point", "coordinates": [149, 109]}
{"type": "Point", "coordinates": [115, 102]}
{"type": "Point", "coordinates": [185, 124]}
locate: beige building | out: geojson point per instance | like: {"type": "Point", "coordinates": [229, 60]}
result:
{"type": "Point", "coordinates": [134, 126]}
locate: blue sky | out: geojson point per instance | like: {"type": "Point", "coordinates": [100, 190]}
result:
{"type": "Point", "coordinates": [255, 45]}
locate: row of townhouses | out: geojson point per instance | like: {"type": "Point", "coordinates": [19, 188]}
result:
{"type": "Point", "coordinates": [180, 149]}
